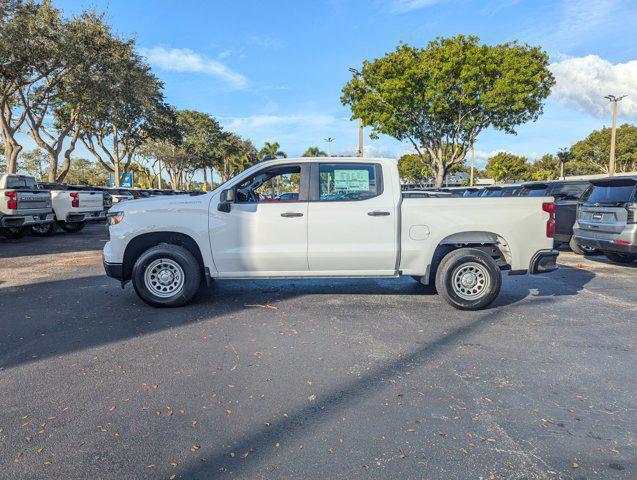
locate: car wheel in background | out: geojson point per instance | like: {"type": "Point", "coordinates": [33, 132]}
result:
{"type": "Point", "coordinates": [620, 257]}
{"type": "Point", "coordinates": [582, 249]}
{"type": "Point", "coordinates": [166, 276]}
{"type": "Point", "coordinates": [43, 229]}
{"type": "Point", "coordinates": [13, 233]}
{"type": "Point", "coordinates": [468, 279]}
{"type": "Point", "coordinates": [72, 227]}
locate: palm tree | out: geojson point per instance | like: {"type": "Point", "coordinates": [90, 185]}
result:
{"type": "Point", "coordinates": [271, 151]}
{"type": "Point", "coordinates": [314, 152]}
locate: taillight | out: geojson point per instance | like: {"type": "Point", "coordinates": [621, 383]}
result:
{"type": "Point", "coordinates": [12, 203]}
{"type": "Point", "coordinates": [550, 223]}
{"type": "Point", "coordinates": [76, 200]}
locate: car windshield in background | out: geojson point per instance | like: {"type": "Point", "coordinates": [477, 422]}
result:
{"type": "Point", "coordinates": [569, 191]}
{"type": "Point", "coordinates": [534, 192]}
{"type": "Point", "coordinates": [611, 193]}
{"type": "Point", "coordinates": [20, 182]}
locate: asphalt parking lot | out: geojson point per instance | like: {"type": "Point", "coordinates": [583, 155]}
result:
{"type": "Point", "coordinates": [312, 379]}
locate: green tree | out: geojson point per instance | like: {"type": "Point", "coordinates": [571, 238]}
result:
{"type": "Point", "coordinates": [505, 166]}
{"type": "Point", "coordinates": [546, 168]}
{"type": "Point", "coordinates": [270, 151]}
{"type": "Point", "coordinates": [237, 154]}
{"type": "Point", "coordinates": [439, 98]}
{"type": "Point", "coordinates": [35, 163]}
{"type": "Point", "coordinates": [592, 155]}
{"type": "Point", "coordinates": [314, 152]}
{"type": "Point", "coordinates": [412, 170]}
{"type": "Point", "coordinates": [86, 172]}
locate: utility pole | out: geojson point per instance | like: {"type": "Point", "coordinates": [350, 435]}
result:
{"type": "Point", "coordinates": [473, 162]}
{"type": "Point", "coordinates": [329, 141]}
{"type": "Point", "coordinates": [360, 120]}
{"type": "Point", "coordinates": [614, 100]}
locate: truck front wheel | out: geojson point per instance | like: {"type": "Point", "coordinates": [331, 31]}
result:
{"type": "Point", "coordinates": [166, 276]}
{"type": "Point", "coordinates": [468, 279]}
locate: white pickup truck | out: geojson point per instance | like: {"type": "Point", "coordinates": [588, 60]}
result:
{"type": "Point", "coordinates": [22, 205]}
{"type": "Point", "coordinates": [342, 217]}
{"type": "Point", "coordinates": [73, 207]}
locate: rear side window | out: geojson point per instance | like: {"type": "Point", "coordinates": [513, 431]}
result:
{"type": "Point", "coordinates": [569, 191]}
{"type": "Point", "coordinates": [20, 182]}
{"type": "Point", "coordinates": [534, 192]}
{"type": "Point", "coordinates": [348, 181]}
{"type": "Point", "coordinates": [616, 193]}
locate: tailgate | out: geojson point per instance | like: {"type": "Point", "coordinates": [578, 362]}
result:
{"type": "Point", "coordinates": [602, 219]}
{"type": "Point", "coordinates": [29, 200]}
{"type": "Point", "coordinates": [91, 201]}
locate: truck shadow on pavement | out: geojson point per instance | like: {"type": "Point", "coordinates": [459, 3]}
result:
{"type": "Point", "coordinates": [59, 242]}
{"type": "Point", "coordinates": [59, 317]}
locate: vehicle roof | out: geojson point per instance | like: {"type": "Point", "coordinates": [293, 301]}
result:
{"type": "Point", "coordinates": [626, 179]}
{"type": "Point", "coordinates": [283, 161]}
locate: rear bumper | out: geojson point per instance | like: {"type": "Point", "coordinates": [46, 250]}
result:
{"type": "Point", "coordinates": [17, 221]}
{"type": "Point", "coordinates": [606, 245]}
{"type": "Point", "coordinates": [86, 216]}
{"type": "Point", "coordinates": [543, 261]}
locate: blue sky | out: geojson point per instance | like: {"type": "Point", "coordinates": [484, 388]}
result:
{"type": "Point", "coordinates": [274, 70]}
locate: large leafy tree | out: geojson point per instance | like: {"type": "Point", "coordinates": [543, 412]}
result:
{"type": "Point", "coordinates": [314, 152]}
{"type": "Point", "coordinates": [441, 97]}
{"type": "Point", "coordinates": [237, 154]}
{"type": "Point", "coordinates": [505, 166]}
{"type": "Point", "coordinates": [271, 150]}
{"type": "Point", "coordinates": [546, 168]}
{"type": "Point", "coordinates": [592, 155]}
{"type": "Point", "coordinates": [412, 170]}
{"type": "Point", "coordinates": [202, 139]}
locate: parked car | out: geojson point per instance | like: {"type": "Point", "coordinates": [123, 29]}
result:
{"type": "Point", "coordinates": [567, 194]}
{"type": "Point", "coordinates": [501, 191]}
{"type": "Point", "coordinates": [120, 195]}
{"type": "Point", "coordinates": [607, 218]}
{"type": "Point", "coordinates": [426, 194]}
{"type": "Point", "coordinates": [138, 193]}
{"type": "Point", "coordinates": [22, 205]}
{"type": "Point", "coordinates": [73, 207]}
{"type": "Point", "coordinates": [350, 220]}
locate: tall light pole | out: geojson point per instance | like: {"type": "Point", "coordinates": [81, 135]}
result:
{"type": "Point", "coordinates": [360, 120]}
{"type": "Point", "coordinates": [329, 141]}
{"type": "Point", "coordinates": [473, 163]}
{"type": "Point", "coordinates": [614, 100]}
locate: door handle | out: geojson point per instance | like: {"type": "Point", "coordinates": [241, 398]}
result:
{"type": "Point", "coordinates": [378, 213]}
{"type": "Point", "coordinates": [291, 214]}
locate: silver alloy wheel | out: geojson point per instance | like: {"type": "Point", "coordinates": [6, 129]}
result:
{"type": "Point", "coordinates": [470, 281]}
{"type": "Point", "coordinates": [164, 278]}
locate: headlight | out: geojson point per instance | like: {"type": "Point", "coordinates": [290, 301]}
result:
{"type": "Point", "coordinates": [115, 217]}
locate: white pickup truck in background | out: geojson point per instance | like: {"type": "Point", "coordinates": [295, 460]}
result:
{"type": "Point", "coordinates": [347, 218]}
{"type": "Point", "coordinates": [22, 205]}
{"type": "Point", "coordinates": [73, 207]}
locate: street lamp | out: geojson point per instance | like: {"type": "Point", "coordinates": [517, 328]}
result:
{"type": "Point", "coordinates": [360, 120]}
{"type": "Point", "coordinates": [614, 100]}
{"type": "Point", "coordinates": [329, 141]}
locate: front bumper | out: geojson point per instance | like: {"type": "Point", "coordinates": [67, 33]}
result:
{"type": "Point", "coordinates": [606, 245]}
{"type": "Point", "coordinates": [543, 261]}
{"type": "Point", "coordinates": [17, 221]}
{"type": "Point", "coordinates": [114, 270]}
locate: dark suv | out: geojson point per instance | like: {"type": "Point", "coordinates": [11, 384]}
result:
{"type": "Point", "coordinates": [607, 218]}
{"type": "Point", "coordinates": [567, 194]}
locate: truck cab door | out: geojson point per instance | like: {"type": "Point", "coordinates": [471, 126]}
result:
{"type": "Point", "coordinates": [264, 233]}
{"type": "Point", "coordinates": [352, 220]}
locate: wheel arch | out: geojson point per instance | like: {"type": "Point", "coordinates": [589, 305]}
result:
{"type": "Point", "coordinates": [143, 242]}
{"type": "Point", "coordinates": [489, 242]}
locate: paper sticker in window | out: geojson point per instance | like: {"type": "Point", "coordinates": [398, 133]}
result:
{"type": "Point", "coordinates": [351, 180]}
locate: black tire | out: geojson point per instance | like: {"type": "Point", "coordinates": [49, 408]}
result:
{"type": "Point", "coordinates": [581, 249]}
{"type": "Point", "coordinates": [43, 229]}
{"type": "Point", "coordinates": [620, 257]}
{"type": "Point", "coordinates": [479, 267]}
{"type": "Point", "coordinates": [13, 233]}
{"type": "Point", "coordinates": [71, 227]}
{"type": "Point", "coordinates": [171, 254]}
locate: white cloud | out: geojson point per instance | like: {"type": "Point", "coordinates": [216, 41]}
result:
{"type": "Point", "coordinates": [581, 16]}
{"type": "Point", "coordinates": [318, 121]}
{"type": "Point", "coordinates": [582, 83]}
{"type": "Point", "coordinates": [186, 60]}
{"type": "Point", "coordinates": [404, 6]}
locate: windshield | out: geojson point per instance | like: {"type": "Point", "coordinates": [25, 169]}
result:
{"type": "Point", "coordinates": [610, 193]}
{"type": "Point", "coordinates": [569, 191]}
{"type": "Point", "coordinates": [534, 192]}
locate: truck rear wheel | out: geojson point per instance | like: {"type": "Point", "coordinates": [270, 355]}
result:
{"type": "Point", "coordinates": [43, 229]}
{"type": "Point", "coordinates": [468, 279]}
{"type": "Point", "coordinates": [71, 227]}
{"type": "Point", "coordinates": [13, 233]}
{"type": "Point", "coordinates": [620, 257]}
{"type": "Point", "coordinates": [166, 276]}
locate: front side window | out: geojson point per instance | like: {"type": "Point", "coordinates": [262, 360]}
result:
{"type": "Point", "coordinates": [275, 184]}
{"type": "Point", "coordinates": [347, 181]}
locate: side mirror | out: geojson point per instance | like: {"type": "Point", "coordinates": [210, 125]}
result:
{"type": "Point", "coordinates": [226, 200]}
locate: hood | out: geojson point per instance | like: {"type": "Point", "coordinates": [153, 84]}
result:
{"type": "Point", "coordinates": [172, 202]}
